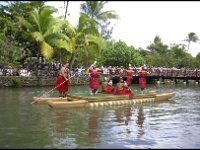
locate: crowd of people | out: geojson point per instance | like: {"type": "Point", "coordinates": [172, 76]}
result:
{"type": "Point", "coordinates": [53, 70]}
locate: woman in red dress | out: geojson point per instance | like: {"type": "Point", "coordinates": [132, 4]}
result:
{"type": "Point", "coordinates": [63, 80]}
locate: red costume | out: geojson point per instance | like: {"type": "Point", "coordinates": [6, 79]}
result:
{"type": "Point", "coordinates": [129, 92]}
{"type": "Point", "coordinates": [125, 91]}
{"type": "Point", "coordinates": [142, 79]}
{"type": "Point", "coordinates": [109, 90]}
{"type": "Point", "coordinates": [129, 77]}
{"type": "Point", "coordinates": [94, 79]}
{"type": "Point", "coordinates": [60, 86]}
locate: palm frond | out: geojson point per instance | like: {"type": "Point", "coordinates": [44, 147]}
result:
{"type": "Point", "coordinates": [47, 50]}
{"type": "Point", "coordinates": [34, 16]}
{"type": "Point", "coordinates": [107, 15]}
{"type": "Point", "coordinates": [61, 44]}
{"type": "Point", "coordinates": [87, 25]}
{"type": "Point", "coordinates": [96, 40]}
{"type": "Point", "coordinates": [46, 19]}
{"type": "Point", "coordinates": [66, 25]}
{"type": "Point", "coordinates": [25, 23]}
{"type": "Point", "coordinates": [37, 36]}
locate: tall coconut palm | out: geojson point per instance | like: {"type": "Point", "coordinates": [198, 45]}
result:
{"type": "Point", "coordinates": [45, 30]}
{"type": "Point", "coordinates": [82, 37]}
{"type": "Point", "coordinates": [94, 10]}
{"type": "Point", "coordinates": [66, 8]}
{"type": "Point", "coordinates": [192, 37]}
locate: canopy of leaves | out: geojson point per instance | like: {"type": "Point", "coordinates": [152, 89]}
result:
{"type": "Point", "coordinates": [119, 54]}
{"type": "Point", "coordinates": [46, 30]}
{"type": "Point", "coordinates": [157, 47]}
{"type": "Point", "coordinates": [10, 53]}
{"type": "Point", "coordinates": [94, 10]}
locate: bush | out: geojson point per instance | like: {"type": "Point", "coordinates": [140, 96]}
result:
{"type": "Point", "coordinates": [15, 82]}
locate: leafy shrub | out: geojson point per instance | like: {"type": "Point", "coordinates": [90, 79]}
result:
{"type": "Point", "coordinates": [15, 82]}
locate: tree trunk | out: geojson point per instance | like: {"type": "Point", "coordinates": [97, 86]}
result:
{"type": "Point", "coordinates": [87, 58]}
{"type": "Point", "coordinates": [66, 10]}
{"type": "Point", "coordinates": [188, 46]}
{"type": "Point", "coordinates": [72, 60]}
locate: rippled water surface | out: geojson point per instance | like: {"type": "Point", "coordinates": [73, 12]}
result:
{"type": "Point", "coordinates": [171, 124]}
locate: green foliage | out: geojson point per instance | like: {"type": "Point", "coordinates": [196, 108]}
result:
{"type": "Point", "coordinates": [191, 37]}
{"type": "Point", "coordinates": [29, 29]}
{"type": "Point", "coordinates": [84, 39]}
{"type": "Point", "coordinates": [11, 30]}
{"type": "Point", "coordinates": [197, 61]}
{"type": "Point", "coordinates": [45, 30]}
{"type": "Point", "coordinates": [94, 10]}
{"type": "Point", "coordinates": [10, 53]}
{"type": "Point", "coordinates": [157, 46]}
{"type": "Point", "coordinates": [15, 82]}
{"type": "Point", "coordinates": [119, 54]}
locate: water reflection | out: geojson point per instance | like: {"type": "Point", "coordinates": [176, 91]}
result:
{"type": "Point", "coordinates": [61, 121]}
{"type": "Point", "coordinates": [140, 121]}
{"type": "Point", "coordinates": [173, 124]}
{"type": "Point", "coordinates": [92, 127]}
{"type": "Point", "coordinates": [119, 115]}
{"type": "Point", "coordinates": [128, 113]}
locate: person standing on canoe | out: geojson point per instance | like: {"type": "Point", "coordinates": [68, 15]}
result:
{"type": "Point", "coordinates": [129, 75]}
{"type": "Point", "coordinates": [94, 79]}
{"type": "Point", "coordinates": [142, 78]}
{"type": "Point", "coordinates": [63, 80]}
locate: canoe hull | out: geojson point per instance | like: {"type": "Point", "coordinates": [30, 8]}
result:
{"type": "Point", "coordinates": [92, 101]}
{"type": "Point", "coordinates": [43, 100]}
{"type": "Point", "coordinates": [64, 104]}
{"type": "Point", "coordinates": [164, 96]}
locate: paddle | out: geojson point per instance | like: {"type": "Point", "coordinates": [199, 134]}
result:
{"type": "Point", "coordinates": [53, 88]}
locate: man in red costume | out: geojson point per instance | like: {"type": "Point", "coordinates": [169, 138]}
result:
{"type": "Point", "coordinates": [62, 81]}
{"type": "Point", "coordinates": [107, 87]}
{"type": "Point", "coordinates": [123, 89]}
{"type": "Point", "coordinates": [142, 78]}
{"type": "Point", "coordinates": [129, 75]}
{"type": "Point", "coordinates": [94, 79]}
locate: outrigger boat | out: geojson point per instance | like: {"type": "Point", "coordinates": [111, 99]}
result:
{"type": "Point", "coordinates": [78, 100]}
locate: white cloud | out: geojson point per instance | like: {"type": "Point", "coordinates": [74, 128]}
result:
{"type": "Point", "coordinates": [140, 22]}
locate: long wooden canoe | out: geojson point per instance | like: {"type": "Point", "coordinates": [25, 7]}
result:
{"type": "Point", "coordinates": [44, 100]}
{"type": "Point", "coordinates": [164, 96]}
{"type": "Point", "coordinates": [98, 98]}
{"type": "Point", "coordinates": [77, 101]}
{"type": "Point", "coordinates": [60, 104]}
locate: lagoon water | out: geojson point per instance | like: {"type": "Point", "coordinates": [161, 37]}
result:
{"type": "Point", "coordinates": [170, 124]}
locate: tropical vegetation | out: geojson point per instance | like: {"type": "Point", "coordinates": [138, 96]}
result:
{"type": "Point", "coordinates": [29, 32]}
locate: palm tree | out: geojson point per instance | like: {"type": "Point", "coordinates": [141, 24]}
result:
{"type": "Point", "coordinates": [94, 10]}
{"type": "Point", "coordinates": [192, 37]}
{"type": "Point", "coordinates": [158, 47]}
{"type": "Point", "coordinates": [82, 37]}
{"type": "Point", "coordinates": [45, 30]}
{"type": "Point", "coordinates": [66, 7]}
